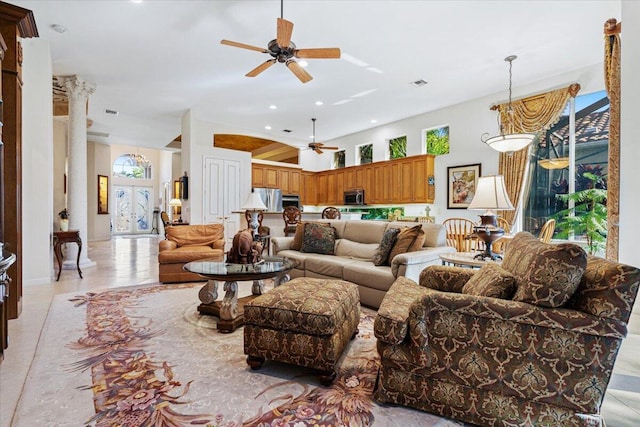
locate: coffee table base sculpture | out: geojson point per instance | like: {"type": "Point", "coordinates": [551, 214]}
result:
{"type": "Point", "coordinates": [306, 322]}
{"type": "Point", "coordinates": [230, 309]}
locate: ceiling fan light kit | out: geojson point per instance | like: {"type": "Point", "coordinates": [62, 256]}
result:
{"type": "Point", "coordinates": [283, 50]}
{"type": "Point", "coordinates": [318, 146]}
{"type": "Point", "coordinates": [508, 141]}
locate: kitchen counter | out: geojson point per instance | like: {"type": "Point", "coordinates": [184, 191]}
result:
{"type": "Point", "coordinates": [274, 220]}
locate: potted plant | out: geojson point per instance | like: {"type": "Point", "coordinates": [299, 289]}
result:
{"type": "Point", "coordinates": [588, 218]}
{"type": "Point", "coordinates": [64, 219]}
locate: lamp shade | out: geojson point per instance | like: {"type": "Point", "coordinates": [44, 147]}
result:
{"type": "Point", "coordinates": [491, 194]}
{"type": "Point", "coordinates": [175, 202]}
{"type": "Point", "coordinates": [254, 203]}
{"type": "Point", "coordinates": [510, 142]}
{"type": "Point", "coordinates": [559, 163]}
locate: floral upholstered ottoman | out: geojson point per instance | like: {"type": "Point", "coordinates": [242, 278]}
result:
{"type": "Point", "coordinates": [305, 322]}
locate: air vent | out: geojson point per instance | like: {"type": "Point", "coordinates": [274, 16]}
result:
{"type": "Point", "coordinates": [418, 83]}
{"type": "Point", "coordinates": [114, 112]}
{"type": "Point", "coordinates": [287, 130]}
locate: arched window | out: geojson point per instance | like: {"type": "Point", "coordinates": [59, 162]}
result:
{"type": "Point", "coordinates": [132, 166]}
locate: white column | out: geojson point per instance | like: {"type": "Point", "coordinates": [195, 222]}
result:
{"type": "Point", "coordinates": [78, 92]}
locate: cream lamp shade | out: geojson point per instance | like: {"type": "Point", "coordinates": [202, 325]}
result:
{"type": "Point", "coordinates": [491, 195]}
{"type": "Point", "coordinates": [254, 203]}
{"type": "Point", "coordinates": [175, 202]}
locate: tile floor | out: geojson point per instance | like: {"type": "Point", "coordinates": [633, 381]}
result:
{"type": "Point", "coordinates": [125, 261]}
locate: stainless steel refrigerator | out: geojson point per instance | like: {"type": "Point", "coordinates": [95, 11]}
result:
{"type": "Point", "coordinates": [271, 197]}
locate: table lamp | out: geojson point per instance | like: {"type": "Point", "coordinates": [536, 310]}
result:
{"type": "Point", "coordinates": [254, 205]}
{"type": "Point", "coordinates": [490, 195]}
{"type": "Point", "coordinates": [175, 204]}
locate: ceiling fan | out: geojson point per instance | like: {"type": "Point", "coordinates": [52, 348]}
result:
{"type": "Point", "coordinates": [318, 146]}
{"type": "Point", "coordinates": [282, 49]}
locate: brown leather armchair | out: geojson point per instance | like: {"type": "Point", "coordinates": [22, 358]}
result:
{"type": "Point", "coordinates": [186, 243]}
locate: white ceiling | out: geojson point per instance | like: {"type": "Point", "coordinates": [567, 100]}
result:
{"type": "Point", "coordinates": [153, 60]}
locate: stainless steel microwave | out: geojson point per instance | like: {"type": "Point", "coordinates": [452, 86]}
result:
{"type": "Point", "coordinates": [354, 197]}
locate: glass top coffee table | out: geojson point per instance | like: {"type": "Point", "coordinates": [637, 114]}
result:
{"type": "Point", "coordinates": [230, 309]}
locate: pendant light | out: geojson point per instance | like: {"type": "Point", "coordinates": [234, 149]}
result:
{"type": "Point", "coordinates": [508, 140]}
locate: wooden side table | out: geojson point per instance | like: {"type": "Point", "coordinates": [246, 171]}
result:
{"type": "Point", "coordinates": [60, 237]}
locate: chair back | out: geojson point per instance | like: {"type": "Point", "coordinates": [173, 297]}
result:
{"type": "Point", "coordinates": [504, 224]}
{"type": "Point", "coordinates": [546, 232]}
{"type": "Point", "coordinates": [459, 234]}
{"type": "Point", "coordinates": [291, 216]}
{"type": "Point", "coordinates": [165, 218]}
{"type": "Point", "coordinates": [331, 213]}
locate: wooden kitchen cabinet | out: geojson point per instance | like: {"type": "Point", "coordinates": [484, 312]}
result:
{"type": "Point", "coordinates": [289, 180]}
{"type": "Point", "coordinates": [295, 181]}
{"type": "Point", "coordinates": [309, 188]}
{"type": "Point", "coordinates": [283, 181]}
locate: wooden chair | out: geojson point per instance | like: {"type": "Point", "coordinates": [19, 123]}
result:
{"type": "Point", "coordinates": [331, 213]}
{"type": "Point", "coordinates": [546, 232]}
{"type": "Point", "coordinates": [291, 216]}
{"type": "Point", "coordinates": [498, 245]}
{"type": "Point", "coordinates": [460, 234]}
{"type": "Point", "coordinates": [264, 232]}
{"type": "Point", "coordinates": [165, 219]}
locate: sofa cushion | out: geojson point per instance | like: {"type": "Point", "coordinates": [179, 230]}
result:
{"type": "Point", "coordinates": [319, 239]}
{"type": "Point", "coordinates": [207, 234]}
{"type": "Point", "coordinates": [491, 281]}
{"type": "Point", "coordinates": [355, 250]}
{"type": "Point", "coordinates": [296, 244]}
{"type": "Point", "coordinates": [189, 253]}
{"type": "Point", "coordinates": [381, 257]}
{"type": "Point", "coordinates": [409, 239]}
{"type": "Point", "coordinates": [434, 234]}
{"type": "Point", "coordinates": [546, 274]}
{"type": "Point", "coordinates": [310, 306]}
{"type": "Point", "coordinates": [326, 265]}
{"type": "Point", "coordinates": [364, 231]}
{"type": "Point", "coordinates": [364, 272]}
{"type": "Point", "coordinates": [607, 289]}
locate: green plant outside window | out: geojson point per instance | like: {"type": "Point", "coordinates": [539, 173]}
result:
{"type": "Point", "coordinates": [437, 140]}
{"type": "Point", "coordinates": [398, 147]}
{"type": "Point", "coordinates": [339, 159]}
{"type": "Point", "coordinates": [366, 153]}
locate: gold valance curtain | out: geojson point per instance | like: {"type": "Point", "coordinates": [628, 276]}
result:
{"type": "Point", "coordinates": [612, 30]}
{"type": "Point", "coordinates": [534, 114]}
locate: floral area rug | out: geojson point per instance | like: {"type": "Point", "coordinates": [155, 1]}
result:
{"type": "Point", "coordinates": [143, 356]}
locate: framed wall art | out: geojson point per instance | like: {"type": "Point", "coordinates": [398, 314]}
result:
{"type": "Point", "coordinates": [103, 194]}
{"type": "Point", "coordinates": [461, 185]}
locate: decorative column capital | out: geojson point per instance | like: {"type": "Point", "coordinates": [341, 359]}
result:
{"type": "Point", "coordinates": [77, 89]}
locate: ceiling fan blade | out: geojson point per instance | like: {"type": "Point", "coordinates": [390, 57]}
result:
{"type": "Point", "coordinates": [330, 148]}
{"type": "Point", "coordinates": [260, 68]}
{"type": "Point", "coordinates": [283, 37]}
{"type": "Point", "coordinates": [325, 53]}
{"type": "Point", "coordinates": [300, 72]}
{"type": "Point", "coordinates": [243, 46]}
{"type": "Point", "coordinates": [317, 150]}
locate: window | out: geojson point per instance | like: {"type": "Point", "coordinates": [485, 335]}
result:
{"type": "Point", "coordinates": [365, 153]}
{"type": "Point", "coordinates": [437, 140]}
{"type": "Point", "coordinates": [132, 166]}
{"type": "Point", "coordinates": [398, 147]}
{"type": "Point", "coordinates": [338, 159]}
{"type": "Point", "coordinates": [549, 168]}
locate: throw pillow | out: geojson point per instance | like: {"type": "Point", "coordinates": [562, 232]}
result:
{"type": "Point", "coordinates": [318, 238]}
{"type": "Point", "coordinates": [546, 274]}
{"type": "Point", "coordinates": [409, 239]}
{"type": "Point", "coordinates": [296, 243]}
{"type": "Point", "coordinates": [491, 281]}
{"type": "Point", "coordinates": [381, 257]}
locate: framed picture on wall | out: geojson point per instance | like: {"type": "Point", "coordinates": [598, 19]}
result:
{"type": "Point", "coordinates": [103, 194]}
{"type": "Point", "coordinates": [461, 185]}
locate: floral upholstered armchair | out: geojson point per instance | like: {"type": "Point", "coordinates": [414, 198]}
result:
{"type": "Point", "coordinates": [531, 342]}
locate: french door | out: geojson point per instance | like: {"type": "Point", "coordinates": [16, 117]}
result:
{"type": "Point", "coordinates": [133, 209]}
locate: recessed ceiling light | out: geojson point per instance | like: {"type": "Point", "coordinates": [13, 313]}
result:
{"type": "Point", "coordinates": [272, 107]}
{"type": "Point", "coordinates": [374, 121]}
{"type": "Point", "coordinates": [311, 136]}
{"type": "Point", "coordinates": [267, 127]}
{"type": "Point", "coordinates": [303, 64]}
{"type": "Point", "coordinates": [319, 102]}
{"type": "Point", "coordinates": [58, 28]}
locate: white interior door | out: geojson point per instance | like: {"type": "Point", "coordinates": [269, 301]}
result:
{"type": "Point", "coordinates": [133, 209]}
{"type": "Point", "coordinates": [222, 194]}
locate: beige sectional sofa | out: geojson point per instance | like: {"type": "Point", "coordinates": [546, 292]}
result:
{"type": "Point", "coordinates": [356, 244]}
